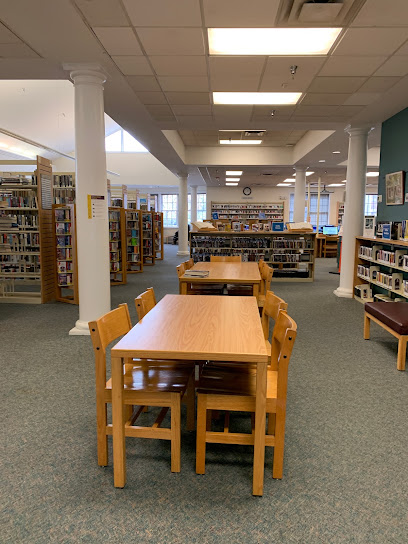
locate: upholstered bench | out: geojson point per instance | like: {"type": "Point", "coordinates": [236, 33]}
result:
{"type": "Point", "coordinates": [393, 317]}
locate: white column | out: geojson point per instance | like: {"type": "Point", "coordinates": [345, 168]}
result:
{"type": "Point", "coordinates": [193, 189]}
{"type": "Point", "coordinates": [353, 208]}
{"type": "Point", "coordinates": [92, 233]}
{"type": "Point", "coordinates": [300, 192]}
{"type": "Point", "coordinates": [183, 216]}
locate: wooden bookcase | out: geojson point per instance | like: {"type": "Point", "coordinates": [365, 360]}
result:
{"type": "Point", "coordinates": [274, 211]}
{"type": "Point", "coordinates": [158, 236]}
{"type": "Point", "coordinates": [377, 265]}
{"type": "Point", "coordinates": [63, 186]}
{"type": "Point", "coordinates": [148, 238]}
{"type": "Point", "coordinates": [117, 245]}
{"type": "Point", "coordinates": [66, 267]}
{"type": "Point", "coordinates": [26, 234]}
{"type": "Point", "coordinates": [292, 255]}
{"type": "Point", "coordinates": [134, 255]}
{"type": "Point", "coordinates": [340, 213]}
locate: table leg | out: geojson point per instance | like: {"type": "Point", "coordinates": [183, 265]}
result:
{"type": "Point", "coordinates": [118, 434]}
{"type": "Point", "coordinates": [255, 290]}
{"type": "Point", "coordinates": [260, 420]}
{"type": "Point", "coordinates": [183, 288]}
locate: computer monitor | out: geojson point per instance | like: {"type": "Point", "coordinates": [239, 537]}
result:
{"type": "Point", "coordinates": [330, 230]}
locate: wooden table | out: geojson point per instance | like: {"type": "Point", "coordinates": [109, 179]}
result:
{"type": "Point", "coordinates": [194, 327]}
{"type": "Point", "coordinates": [234, 273]}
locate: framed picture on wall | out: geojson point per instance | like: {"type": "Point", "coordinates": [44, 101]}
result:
{"type": "Point", "coordinates": [394, 188]}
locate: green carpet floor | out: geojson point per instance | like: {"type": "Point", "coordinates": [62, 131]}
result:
{"type": "Point", "coordinates": [345, 477]}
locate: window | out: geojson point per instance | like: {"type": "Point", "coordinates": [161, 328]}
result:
{"type": "Point", "coordinates": [170, 210]}
{"type": "Point", "coordinates": [201, 207]}
{"type": "Point", "coordinates": [189, 208]}
{"type": "Point", "coordinates": [113, 143]}
{"type": "Point", "coordinates": [122, 142]}
{"type": "Point", "coordinates": [324, 209]}
{"type": "Point", "coordinates": [370, 207]}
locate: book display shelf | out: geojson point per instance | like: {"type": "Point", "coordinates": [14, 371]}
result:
{"type": "Point", "coordinates": [66, 289]}
{"type": "Point", "coordinates": [340, 213]}
{"type": "Point", "coordinates": [134, 258]}
{"type": "Point", "coordinates": [26, 235]}
{"type": "Point", "coordinates": [158, 236]}
{"type": "Point", "coordinates": [292, 255]}
{"type": "Point", "coordinates": [381, 270]}
{"type": "Point", "coordinates": [63, 186]}
{"type": "Point", "coordinates": [117, 245]}
{"type": "Point", "coordinates": [148, 238]}
{"type": "Point", "coordinates": [272, 211]}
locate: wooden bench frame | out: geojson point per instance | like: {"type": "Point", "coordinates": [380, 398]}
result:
{"type": "Point", "coordinates": [402, 338]}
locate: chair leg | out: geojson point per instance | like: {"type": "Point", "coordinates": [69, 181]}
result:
{"type": "Point", "coordinates": [201, 430]}
{"type": "Point", "coordinates": [127, 412]}
{"type": "Point", "coordinates": [271, 424]}
{"type": "Point", "coordinates": [277, 469]}
{"type": "Point", "coordinates": [367, 323]}
{"type": "Point", "coordinates": [402, 352]}
{"type": "Point", "coordinates": [101, 436]}
{"type": "Point", "coordinates": [191, 403]}
{"type": "Point", "coordinates": [175, 431]}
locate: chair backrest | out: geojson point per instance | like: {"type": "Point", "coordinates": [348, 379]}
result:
{"type": "Point", "coordinates": [145, 302]}
{"type": "Point", "coordinates": [181, 268]}
{"type": "Point", "coordinates": [266, 278]}
{"type": "Point", "coordinates": [189, 264]}
{"type": "Point", "coordinates": [272, 305]}
{"type": "Point", "coordinates": [261, 263]}
{"type": "Point", "coordinates": [225, 258]}
{"type": "Point", "coordinates": [283, 339]}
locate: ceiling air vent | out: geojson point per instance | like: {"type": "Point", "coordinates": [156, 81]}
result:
{"type": "Point", "coordinates": [319, 12]}
{"type": "Point", "coordinates": [254, 133]}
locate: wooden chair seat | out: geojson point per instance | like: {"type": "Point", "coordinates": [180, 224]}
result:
{"type": "Point", "coordinates": [241, 367]}
{"type": "Point", "coordinates": [239, 290]}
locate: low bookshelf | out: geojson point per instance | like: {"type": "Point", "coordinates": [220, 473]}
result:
{"type": "Point", "coordinates": [66, 289]}
{"type": "Point", "coordinates": [158, 236]}
{"type": "Point", "coordinates": [117, 245]}
{"type": "Point", "coordinates": [148, 252]}
{"type": "Point", "coordinates": [291, 255]}
{"type": "Point", "coordinates": [134, 258]}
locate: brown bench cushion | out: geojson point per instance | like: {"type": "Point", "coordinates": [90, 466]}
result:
{"type": "Point", "coordinates": [392, 314]}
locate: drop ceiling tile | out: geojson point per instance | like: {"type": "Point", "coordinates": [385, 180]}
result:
{"type": "Point", "coordinates": [320, 99]}
{"type": "Point", "coordinates": [235, 73]}
{"type": "Point", "coordinates": [263, 119]}
{"type": "Point", "coordinates": [179, 65]}
{"type": "Point", "coordinates": [192, 110]}
{"type": "Point", "coordinates": [6, 36]}
{"type": "Point", "coordinates": [232, 111]}
{"type": "Point", "coordinates": [403, 50]}
{"type": "Point", "coordinates": [172, 41]}
{"type": "Point", "coordinates": [164, 12]}
{"type": "Point", "coordinates": [183, 83]}
{"type": "Point", "coordinates": [194, 121]}
{"type": "Point", "coordinates": [186, 98]}
{"type": "Point", "coordinates": [240, 13]}
{"type": "Point", "coordinates": [395, 66]}
{"type": "Point", "coordinates": [318, 111]}
{"type": "Point", "coordinates": [278, 110]}
{"type": "Point", "coordinates": [371, 41]}
{"type": "Point", "coordinates": [351, 66]}
{"type": "Point", "coordinates": [143, 83]}
{"type": "Point", "coordinates": [336, 84]}
{"type": "Point", "coordinates": [133, 65]}
{"type": "Point", "coordinates": [118, 41]}
{"type": "Point", "coordinates": [348, 111]}
{"type": "Point", "coordinates": [159, 111]}
{"type": "Point", "coordinates": [277, 76]}
{"type": "Point", "coordinates": [380, 13]}
{"type": "Point", "coordinates": [362, 99]}
{"type": "Point", "coordinates": [151, 98]}
{"type": "Point", "coordinates": [103, 12]}
{"type": "Point", "coordinates": [378, 84]}
{"type": "Point", "coordinates": [17, 51]}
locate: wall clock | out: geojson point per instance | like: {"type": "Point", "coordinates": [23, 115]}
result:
{"type": "Point", "coordinates": [247, 191]}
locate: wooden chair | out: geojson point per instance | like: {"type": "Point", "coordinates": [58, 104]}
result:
{"type": "Point", "coordinates": [145, 302]}
{"type": "Point", "coordinates": [266, 278]}
{"type": "Point", "coordinates": [189, 264]}
{"type": "Point", "coordinates": [330, 246]}
{"type": "Point", "coordinates": [225, 258]}
{"type": "Point", "coordinates": [163, 385]}
{"type": "Point", "coordinates": [194, 289]}
{"type": "Point", "coordinates": [218, 390]}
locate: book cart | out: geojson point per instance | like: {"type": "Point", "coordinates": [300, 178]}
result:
{"type": "Point", "coordinates": [26, 234]}
{"type": "Point", "coordinates": [66, 289]}
{"type": "Point", "coordinates": [134, 256]}
{"type": "Point", "coordinates": [158, 236]}
{"type": "Point", "coordinates": [117, 245]}
{"type": "Point", "coordinates": [63, 187]}
{"type": "Point", "coordinates": [272, 211]}
{"type": "Point", "coordinates": [148, 238]}
{"type": "Point", "coordinates": [381, 270]}
{"type": "Point", "coordinates": [291, 255]}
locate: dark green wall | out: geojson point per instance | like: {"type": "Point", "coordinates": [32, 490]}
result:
{"type": "Point", "coordinates": [393, 158]}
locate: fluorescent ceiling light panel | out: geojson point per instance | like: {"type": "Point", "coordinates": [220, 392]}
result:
{"type": "Point", "coordinates": [240, 142]}
{"type": "Point", "coordinates": [335, 185]}
{"type": "Point", "coordinates": [233, 172]}
{"type": "Point", "coordinates": [289, 180]}
{"type": "Point", "coordinates": [262, 99]}
{"type": "Point", "coordinates": [271, 41]}
{"type": "Point", "coordinates": [231, 179]}
{"type": "Point", "coordinates": [322, 160]}
{"type": "Point", "coordinates": [309, 173]}
{"type": "Point", "coordinates": [283, 185]}
{"type": "Point", "coordinates": [336, 152]}
{"type": "Point", "coordinates": [4, 146]}
{"type": "Point", "coordinates": [372, 174]}
{"type": "Point", "coordinates": [231, 184]}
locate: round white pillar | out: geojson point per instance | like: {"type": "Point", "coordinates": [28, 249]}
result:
{"type": "Point", "coordinates": [90, 171]}
{"type": "Point", "coordinates": [183, 216]}
{"type": "Point", "coordinates": [300, 193]}
{"type": "Point", "coordinates": [353, 208]}
{"type": "Point", "coordinates": [193, 189]}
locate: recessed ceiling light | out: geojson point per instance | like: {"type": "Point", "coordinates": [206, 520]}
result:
{"type": "Point", "coordinates": [240, 142]}
{"type": "Point", "coordinates": [271, 41]}
{"type": "Point", "coordinates": [322, 160]}
{"type": "Point", "coordinates": [372, 174]}
{"type": "Point", "coordinates": [263, 99]}
{"type": "Point", "coordinates": [231, 184]}
{"type": "Point", "coordinates": [289, 180]}
{"type": "Point", "coordinates": [233, 173]}
{"type": "Point", "coordinates": [231, 179]}
{"type": "Point", "coordinates": [309, 173]}
{"type": "Point", "coordinates": [336, 152]}
{"type": "Point", "coordinates": [283, 185]}
{"type": "Point", "coordinates": [290, 145]}
{"type": "Point", "coordinates": [335, 185]}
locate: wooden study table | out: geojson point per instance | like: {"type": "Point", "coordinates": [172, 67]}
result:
{"type": "Point", "coordinates": [194, 327]}
{"type": "Point", "coordinates": [224, 272]}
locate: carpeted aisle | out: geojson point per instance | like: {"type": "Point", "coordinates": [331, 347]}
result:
{"type": "Point", "coordinates": [345, 478]}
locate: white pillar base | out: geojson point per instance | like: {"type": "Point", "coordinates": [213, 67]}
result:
{"type": "Point", "coordinates": [81, 329]}
{"type": "Point", "coordinates": [343, 292]}
{"type": "Point", "coordinates": [182, 253]}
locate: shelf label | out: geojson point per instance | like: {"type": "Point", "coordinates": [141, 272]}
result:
{"type": "Point", "coordinates": [96, 207]}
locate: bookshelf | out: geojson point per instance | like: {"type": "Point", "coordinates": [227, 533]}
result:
{"type": "Point", "coordinates": [26, 235]}
{"type": "Point", "coordinates": [132, 199]}
{"type": "Point", "coordinates": [148, 238]}
{"type": "Point", "coordinates": [119, 196]}
{"type": "Point", "coordinates": [292, 255]}
{"type": "Point", "coordinates": [158, 236]}
{"type": "Point", "coordinates": [383, 266]}
{"type": "Point", "coordinates": [274, 211]}
{"type": "Point", "coordinates": [117, 245]}
{"type": "Point", "coordinates": [340, 213]}
{"type": "Point", "coordinates": [63, 187]}
{"type": "Point", "coordinates": [134, 258]}
{"type": "Point", "coordinates": [66, 267]}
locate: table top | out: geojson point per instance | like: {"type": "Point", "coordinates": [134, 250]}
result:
{"type": "Point", "coordinates": [225, 272]}
{"type": "Point", "coordinates": [198, 327]}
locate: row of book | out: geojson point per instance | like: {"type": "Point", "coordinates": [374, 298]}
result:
{"type": "Point", "coordinates": [21, 241]}
{"type": "Point", "coordinates": [62, 214]}
{"type": "Point", "coordinates": [18, 179]}
{"type": "Point", "coordinates": [399, 257]}
{"type": "Point", "coordinates": [65, 280]}
{"type": "Point", "coordinates": [390, 281]}
{"type": "Point", "coordinates": [363, 291]}
{"type": "Point", "coordinates": [23, 221]}
{"type": "Point", "coordinates": [114, 246]}
{"type": "Point", "coordinates": [64, 266]}
{"type": "Point", "coordinates": [115, 266]}
{"type": "Point", "coordinates": [63, 241]}
{"type": "Point", "coordinates": [19, 201]}
{"type": "Point", "coordinates": [133, 257]}
{"type": "Point", "coordinates": [63, 180]}
{"type": "Point", "coordinates": [366, 252]}
{"type": "Point", "coordinates": [63, 228]}
{"type": "Point", "coordinates": [64, 253]}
